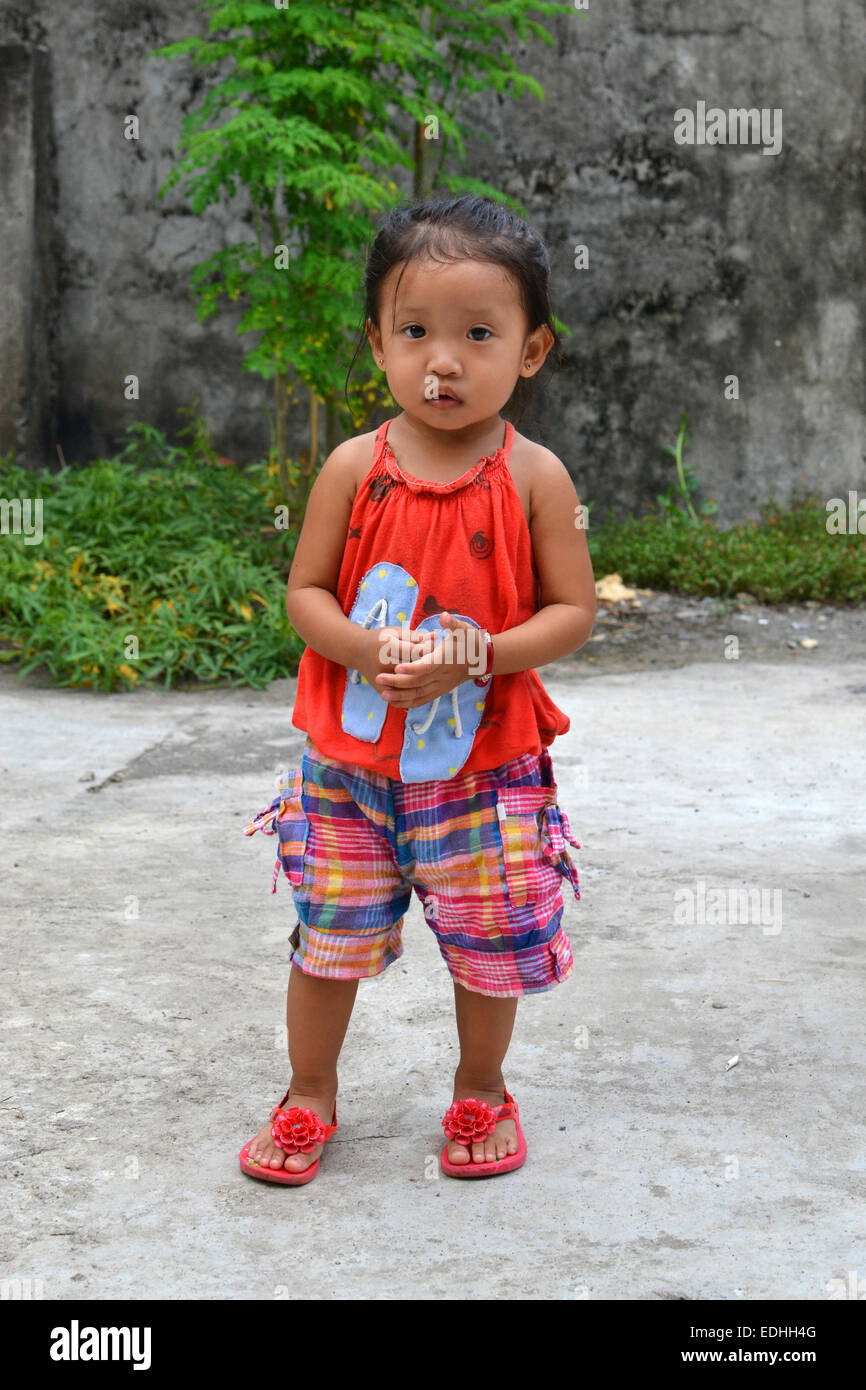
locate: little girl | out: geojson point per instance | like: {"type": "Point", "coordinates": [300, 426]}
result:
{"type": "Point", "coordinates": [441, 560]}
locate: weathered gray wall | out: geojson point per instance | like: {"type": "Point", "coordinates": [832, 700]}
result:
{"type": "Point", "coordinates": [28, 298]}
{"type": "Point", "coordinates": [703, 261]}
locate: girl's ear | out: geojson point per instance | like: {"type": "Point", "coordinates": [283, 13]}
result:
{"type": "Point", "coordinates": [538, 345]}
{"type": "Point", "coordinates": [374, 338]}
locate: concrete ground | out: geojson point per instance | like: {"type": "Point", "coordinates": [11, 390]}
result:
{"type": "Point", "coordinates": [144, 999]}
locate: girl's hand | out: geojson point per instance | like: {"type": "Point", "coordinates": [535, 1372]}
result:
{"type": "Point", "coordinates": [382, 648]}
{"type": "Point", "coordinates": [436, 671]}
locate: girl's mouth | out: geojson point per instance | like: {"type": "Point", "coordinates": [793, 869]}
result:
{"type": "Point", "coordinates": [443, 399]}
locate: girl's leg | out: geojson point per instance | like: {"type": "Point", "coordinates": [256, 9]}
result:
{"type": "Point", "coordinates": [317, 1016]}
{"type": "Point", "coordinates": [484, 1027]}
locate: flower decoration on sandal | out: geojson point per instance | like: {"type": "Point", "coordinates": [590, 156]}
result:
{"type": "Point", "coordinates": [297, 1130]}
{"type": "Point", "coordinates": [469, 1121]}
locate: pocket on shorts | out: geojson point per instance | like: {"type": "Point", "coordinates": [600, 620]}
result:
{"type": "Point", "coordinates": [520, 812]}
{"type": "Point", "coordinates": [534, 830]}
{"type": "Point", "coordinates": [292, 827]}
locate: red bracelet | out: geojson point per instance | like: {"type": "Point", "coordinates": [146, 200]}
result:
{"type": "Point", "coordinates": [487, 677]}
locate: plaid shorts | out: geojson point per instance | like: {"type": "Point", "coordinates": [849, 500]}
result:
{"type": "Point", "coordinates": [484, 851]}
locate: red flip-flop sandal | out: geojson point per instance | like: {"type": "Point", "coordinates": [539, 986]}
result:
{"type": "Point", "coordinates": [297, 1130]}
{"type": "Point", "coordinates": [470, 1121]}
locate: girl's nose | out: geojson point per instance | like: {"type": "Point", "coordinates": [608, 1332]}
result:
{"type": "Point", "coordinates": [443, 362]}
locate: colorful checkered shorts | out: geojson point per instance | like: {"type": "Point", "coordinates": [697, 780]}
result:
{"type": "Point", "coordinates": [485, 853]}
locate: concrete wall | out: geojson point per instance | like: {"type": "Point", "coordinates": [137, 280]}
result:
{"type": "Point", "coordinates": [704, 260]}
{"type": "Point", "coordinates": [28, 299]}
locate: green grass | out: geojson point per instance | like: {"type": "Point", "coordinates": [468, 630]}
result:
{"type": "Point", "coordinates": [165, 546]}
{"type": "Point", "coordinates": [786, 556]}
{"type": "Point", "coordinates": [158, 544]}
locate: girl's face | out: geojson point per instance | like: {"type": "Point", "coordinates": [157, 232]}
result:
{"type": "Point", "coordinates": [458, 329]}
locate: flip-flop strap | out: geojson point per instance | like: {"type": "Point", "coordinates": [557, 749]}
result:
{"type": "Point", "coordinates": [329, 1129]}
{"type": "Point", "coordinates": [507, 1111]}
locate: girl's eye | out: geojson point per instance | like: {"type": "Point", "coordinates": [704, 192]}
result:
{"type": "Point", "coordinates": [410, 326]}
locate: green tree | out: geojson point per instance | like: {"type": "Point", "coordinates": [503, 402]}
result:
{"type": "Point", "coordinates": [314, 107]}
{"type": "Point", "coordinates": [472, 55]}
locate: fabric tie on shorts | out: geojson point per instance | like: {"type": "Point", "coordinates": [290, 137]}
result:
{"type": "Point", "coordinates": [264, 821]}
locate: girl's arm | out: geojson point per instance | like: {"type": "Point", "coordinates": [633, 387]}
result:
{"type": "Point", "coordinates": [311, 601]}
{"type": "Point", "coordinates": [567, 599]}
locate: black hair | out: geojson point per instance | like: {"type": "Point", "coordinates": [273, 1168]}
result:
{"type": "Point", "coordinates": [468, 227]}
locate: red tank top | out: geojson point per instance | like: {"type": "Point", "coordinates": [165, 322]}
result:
{"type": "Point", "coordinates": [413, 549]}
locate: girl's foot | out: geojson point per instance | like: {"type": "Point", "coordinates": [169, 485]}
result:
{"type": "Point", "coordinates": [499, 1144]}
{"type": "Point", "coordinates": [263, 1150]}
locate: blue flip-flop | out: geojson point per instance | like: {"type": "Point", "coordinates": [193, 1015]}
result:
{"type": "Point", "coordinates": [387, 597]}
{"type": "Point", "coordinates": [439, 735]}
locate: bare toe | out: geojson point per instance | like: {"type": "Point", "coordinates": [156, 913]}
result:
{"type": "Point", "coordinates": [296, 1163]}
{"type": "Point", "coordinates": [261, 1149]}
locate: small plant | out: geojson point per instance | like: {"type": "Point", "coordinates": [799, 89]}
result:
{"type": "Point", "coordinates": [197, 431]}
{"type": "Point", "coordinates": [668, 500]}
{"type": "Point", "coordinates": [145, 447]}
